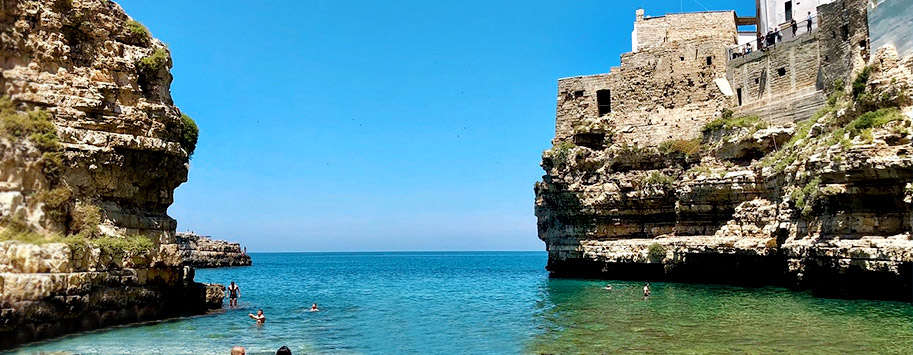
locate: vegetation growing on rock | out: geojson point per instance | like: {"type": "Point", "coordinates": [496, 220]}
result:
{"type": "Point", "coordinates": [138, 31]}
{"type": "Point", "coordinates": [189, 133]}
{"type": "Point", "coordinates": [153, 63]}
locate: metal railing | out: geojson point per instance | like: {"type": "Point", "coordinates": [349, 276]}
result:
{"type": "Point", "coordinates": [784, 32]}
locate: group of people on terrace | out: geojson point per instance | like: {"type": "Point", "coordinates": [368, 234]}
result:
{"type": "Point", "coordinates": [772, 37]}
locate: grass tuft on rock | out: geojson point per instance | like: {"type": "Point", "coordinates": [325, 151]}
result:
{"type": "Point", "coordinates": [154, 62]}
{"type": "Point", "coordinates": [138, 31]}
{"type": "Point", "coordinates": [725, 123]}
{"type": "Point", "coordinates": [688, 147]}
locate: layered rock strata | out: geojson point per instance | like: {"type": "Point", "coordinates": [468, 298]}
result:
{"type": "Point", "coordinates": [102, 172]}
{"type": "Point", "coordinates": [823, 203]}
{"type": "Point", "coordinates": [203, 251]}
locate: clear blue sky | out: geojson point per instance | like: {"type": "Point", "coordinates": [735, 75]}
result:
{"type": "Point", "coordinates": [378, 125]}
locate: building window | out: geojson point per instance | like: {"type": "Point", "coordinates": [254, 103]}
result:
{"type": "Point", "coordinates": [738, 93]}
{"type": "Point", "coordinates": [604, 101]}
{"type": "Point", "coordinates": [710, 60]}
{"type": "Point", "coordinates": [788, 6]}
{"type": "Point", "coordinates": [781, 71]}
{"type": "Point", "coordinates": [845, 32]}
{"type": "Point", "coordinates": [578, 93]}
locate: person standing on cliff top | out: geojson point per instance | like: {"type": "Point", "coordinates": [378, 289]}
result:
{"type": "Point", "coordinates": [808, 27]}
{"type": "Point", "coordinates": [233, 293]}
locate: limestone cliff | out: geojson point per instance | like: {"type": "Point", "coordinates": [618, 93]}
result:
{"type": "Point", "coordinates": [762, 193]}
{"type": "Point", "coordinates": [203, 251]}
{"type": "Point", "coordinates": [91, 150]}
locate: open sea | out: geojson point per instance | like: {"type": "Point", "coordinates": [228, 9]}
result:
{"type": "Point", "coordinates": [496, 303]}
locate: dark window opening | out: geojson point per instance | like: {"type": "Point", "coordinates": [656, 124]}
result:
{"type": "Point", "coordinates": [604, 101]}
{"type": "Point", "coordinates": [788, 6]}
{"type": "Point", "coordinates": [845, 32]}
{"type": "Point", "coordinates": [757, 80]}
{"type": "Point", "coordinates": [578, 93]}
{"type": "Point", "coordinates": [826, 58]}
{"type": "Point", "coordinates": [862, 44]}
{"type": "Point", "coordinates": [710, 60]}
{"type": "Point", "coordinates": [738, 93]}
{"type": "Point", "coordinates": [781, 71]}
{"type": "Point", "coordinates": [833, 34]}
{"type": "Point", "coordinates": [681, 58]}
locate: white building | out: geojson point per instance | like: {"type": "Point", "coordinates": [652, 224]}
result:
{"type": "Point", "coordinates": [774, 13]}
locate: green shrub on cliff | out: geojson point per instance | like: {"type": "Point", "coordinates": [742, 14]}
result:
{"type": "Point", "coordinates": [189, 133]}
{"type": "Point", "coordinates": [725, 123]}
{"type": "Point", "coordinates": [560, 152]}
{"type": "Point", "coordinates": [154, 62]}
{"type": "Point", "coordinates": [874, 119]}
{"type": "Point", "coordinates": [132, 243]}
{"type": "Point", "coordinates": [804, 198]}
{"type": "Point", "coordinates": [138, 31]}
{"type": "Point", "coordinates": [861, 80]}
{"type": "Point", "coordinates": [86, 219]}
{"type": "Point", "coordinates": [35, 125]}
{"type": "Point", "coordinates": [688, 147]}
{"type": "Point", "coordinates": [658, 179]}
{"type": "Point", "coordinates": [656, 252]}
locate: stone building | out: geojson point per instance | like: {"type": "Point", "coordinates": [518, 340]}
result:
{"type": "Point", "coordinates": [778, 13]}
{"type": "Point", "coordinates": [663, 90]}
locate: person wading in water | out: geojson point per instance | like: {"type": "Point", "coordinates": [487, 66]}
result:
{"type": "Point", "coordinates": [233, 293]}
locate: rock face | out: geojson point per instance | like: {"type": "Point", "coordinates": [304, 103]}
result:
{"type": "Point", "coordinates": [105, 169]}
{"type": "Point", "coordinates": [203, 251]}
{"type": "Point", "coordinates": [822, 203]}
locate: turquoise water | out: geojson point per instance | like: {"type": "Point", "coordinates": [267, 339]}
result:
{"type": "Point", "coordinates": [496, 303]}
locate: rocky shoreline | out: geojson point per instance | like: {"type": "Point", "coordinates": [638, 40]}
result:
{"type": "Point", "coordinates": [205, 252]}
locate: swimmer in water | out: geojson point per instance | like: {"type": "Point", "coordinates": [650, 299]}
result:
{"type": "Point", "coordinates": [260, 318]}
{"type": "Point", "coordinates": [314, 307]}
{"type": "Point", "coordinates": [646, 289]}
{"type": "Point", "coordinates": [608, 286]}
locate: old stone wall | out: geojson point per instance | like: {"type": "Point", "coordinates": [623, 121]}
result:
{"type": "Point", "coordinates": [784, 83]}
{"type": "Point", "coordinates": [656, 31]}
{"type": "Point", "coordinates": [656, 94]}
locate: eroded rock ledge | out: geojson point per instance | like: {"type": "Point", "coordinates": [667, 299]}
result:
{"type": "Point", "coordinates": [89, 187]}
{"type": "Point", "coordinates": [203, 251]}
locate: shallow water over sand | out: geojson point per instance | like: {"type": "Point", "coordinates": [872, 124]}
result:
{"type": "Point", "coordinates": [496, 302]}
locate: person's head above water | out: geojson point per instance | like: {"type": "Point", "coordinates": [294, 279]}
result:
{"type": "Point", "coordinates": [284, 350]}
{"type": "Point", "coordinates": [259, 312]}
{"type": "Point", "coordinates": [238, 350]}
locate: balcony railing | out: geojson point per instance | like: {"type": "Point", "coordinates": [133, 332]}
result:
{"type": "Point", "coordinates": [783, 32]}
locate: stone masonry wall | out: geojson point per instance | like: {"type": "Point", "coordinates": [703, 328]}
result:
{"type": "Point", "coordinates": [784, 83]}
{"type": "Point", "coordinates": [656, 31]}
{"type": "Point", "coordinates": [657, 93]}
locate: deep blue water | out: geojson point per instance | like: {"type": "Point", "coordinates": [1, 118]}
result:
{"type": "Point", "coordinates": [495, 303]}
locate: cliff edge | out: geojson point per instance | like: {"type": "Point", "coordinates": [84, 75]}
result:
{"type": "Point", "coordinates": [789, 166]}
{"type": "Point", "coordinates": [91, 150]}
